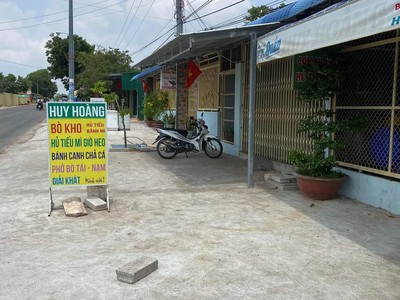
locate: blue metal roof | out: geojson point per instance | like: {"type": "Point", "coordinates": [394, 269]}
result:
{"type": "Point", "coordinates": [287, 11]}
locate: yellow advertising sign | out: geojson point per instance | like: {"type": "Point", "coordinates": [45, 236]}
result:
{"type": "Point", "coordinates": [77, 143]}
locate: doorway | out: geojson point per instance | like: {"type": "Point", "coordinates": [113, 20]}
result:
{"type": "Point", "coordinates": [228, 106]}
{"type": "Point", "coordinates": [231, 101]}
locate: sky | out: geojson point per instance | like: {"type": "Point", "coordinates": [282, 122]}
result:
{"type": "Point", "coordinates": [138, 26]}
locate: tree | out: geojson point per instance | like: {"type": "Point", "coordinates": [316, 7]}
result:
{"type": "Point", "coordinates": [8, 84]}
{"type": "Point", "coordinates": [41, 83]}
{"type": "Point", "coordinates": [100, 88]}
{"type": "Point", "coordinates": [112, 98]}
{"type": "Point", "coordinates": [22, 84]}
{"type": "Point", "coordinates": [256, 12]}
{"type": "Point", "coordinates": [97, 66]}
{"type": "Point", "coordinates": [57, 56]}
{"type": "Point", "coordinates": [12, 84]}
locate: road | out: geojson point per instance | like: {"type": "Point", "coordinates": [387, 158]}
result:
{"type": "Point", "coordinates": [16, 121]}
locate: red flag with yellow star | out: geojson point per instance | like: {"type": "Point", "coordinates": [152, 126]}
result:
{"type": "Point", "coordinates": [192, 74]}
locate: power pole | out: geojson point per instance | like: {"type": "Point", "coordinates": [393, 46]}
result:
{"type": "Point", "coordinates": [179, 5]}
{"type": "Point", "coordinates": [71, 55]}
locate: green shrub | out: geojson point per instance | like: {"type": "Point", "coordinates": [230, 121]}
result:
{"type": "Point", "coordinates": [321, 125]}
{"type": "Point", "coordinates": [154, 104]}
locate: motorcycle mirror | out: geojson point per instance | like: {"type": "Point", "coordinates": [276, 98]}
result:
{"type": "Point", "coordinates": [202, 114]}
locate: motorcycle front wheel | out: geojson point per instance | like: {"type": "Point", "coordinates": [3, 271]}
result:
{"type": "Point", "coordinates": [213, 148]}
{"type": "Point", "coordinates": [165, 148]}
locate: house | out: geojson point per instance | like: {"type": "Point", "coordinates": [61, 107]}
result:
{"type": "Point", "coordinates": [249, 74]}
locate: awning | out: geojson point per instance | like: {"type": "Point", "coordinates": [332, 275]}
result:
{"type": "Point", "coordinates": [146, 72]}
{"type": "Point", "coordinates": [189, 45]}
{"type": "Point", "coordinates": [345, 21]}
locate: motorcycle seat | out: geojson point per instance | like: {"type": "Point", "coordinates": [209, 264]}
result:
{"type": "Point", "coordinates": [180, 131]}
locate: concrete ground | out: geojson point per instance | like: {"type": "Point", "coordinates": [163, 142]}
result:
{"type": "Point", "coordinates": [213, 237]}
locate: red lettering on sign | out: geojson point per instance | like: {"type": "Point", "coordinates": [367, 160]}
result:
{"type": "Point", "coordinates": [300, 77]}
{"type": "Point", "coordinates": [397, 6]}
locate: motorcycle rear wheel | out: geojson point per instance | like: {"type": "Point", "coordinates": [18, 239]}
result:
{"type": "Point", "coordinates": [164, 148]}
{"type": "Point", "coordinates": [213, 148]}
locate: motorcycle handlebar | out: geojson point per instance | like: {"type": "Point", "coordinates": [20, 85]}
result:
{"type": "Point", "coordinates": [197, 122]}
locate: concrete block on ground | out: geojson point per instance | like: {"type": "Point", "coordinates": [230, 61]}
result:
{"type": "Point", "coordinates": [283, 178]}
{"type": "Point", "coordinates": [99, 191]}
{"type": "Point", "coordinates": [74, 207]}
{"type": "Point", "coordinates": [273, 181]}
{"type": "Point", "coordinates": [271, 185]}
{"type": "Point", "coordinates": [137, 269]}
{"type": "Point", "coordinates": [288, 187]}
{"type": "Point", "coordinates": [96, 203]}
{"type": "Point", "coordinates": [268, 174]}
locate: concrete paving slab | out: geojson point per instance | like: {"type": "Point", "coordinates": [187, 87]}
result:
{"type": "Point", "coordinates": [96, 204]}
{"type": "Point", "coordinates": [214, 237]}
{"type": "Point", "coordinates": [99, 191]}
{"type": "Point", "coordinates": [74, 207]}
{"type": "Point", "coordinates": [137, 269]}
{"type": "Point", "coordinates": [283, 178]}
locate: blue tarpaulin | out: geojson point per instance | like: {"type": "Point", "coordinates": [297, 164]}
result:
{"type": "Point", "coordinates": [287, 11]}
{"type": "Point", "coordinates": [146, 72]}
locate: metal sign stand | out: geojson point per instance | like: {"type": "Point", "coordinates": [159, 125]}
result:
{"type": "Point", "coordinates": [51, 203]}
{"type": "Point", "coordinates": [108, 200]}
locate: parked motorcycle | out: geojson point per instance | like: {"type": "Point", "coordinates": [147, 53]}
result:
{"type": "Point", "coordinates": [171, 141]}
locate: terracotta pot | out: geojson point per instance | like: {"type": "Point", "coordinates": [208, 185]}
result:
{"type": "Point", "coordinates": [319, 188]}
{"type": "Point", "coordinates": [157, 125]}
{"type": "Point", "coordinates": [149, 123]}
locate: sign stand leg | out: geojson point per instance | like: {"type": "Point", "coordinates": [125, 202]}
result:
{"type": "Point", "coordinates": [108, 200]}
{"type": "Point", "coordinates": [51, 203]}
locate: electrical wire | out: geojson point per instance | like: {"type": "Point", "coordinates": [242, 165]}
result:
{"type": "Point", "coordinates": [194, 12]}
{"type": "Point", "coordinates": [205, 4]}
{"type": "Point", "coordinates": [232, 21]}
{"type": "Point", "coordinates": [202, 6]}
{"type": "Point", "coordinates": [156, 38]}
{"type": "Point", "coordinates": [14, 63]}
{"type": "Point", "coordinates": [211, 13]}
{"type": "Point", "coordinates": [52, 14]}
{"type": "Point", "coordinates": [162, 44]}
{"type": "Point", "coordinates": [139, 25]}
{"type": "Point", "coordinates": [116, 44]}
{"type": "Point", "coordinates": [223, 24]}
{"type": "Point", "coordinates": [61, 20]}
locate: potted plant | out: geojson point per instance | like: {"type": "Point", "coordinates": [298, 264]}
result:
{"type": "Point", "coordinates": [155, 103]}
{"type": "Point", "coordinates": [191, 126]}
{"type": "Point", "coordinates": [317, 175]}
{"type": "Point", "coordinates": [169, 118]}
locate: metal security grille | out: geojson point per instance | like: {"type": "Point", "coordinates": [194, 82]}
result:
{"type": "Point", "coordinates": [370, 90]}
{"type": "Point", "coordinates": [277, 111]}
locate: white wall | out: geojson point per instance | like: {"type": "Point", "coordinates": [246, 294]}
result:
{"type": "Point", "coordinates": [373, 190]}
